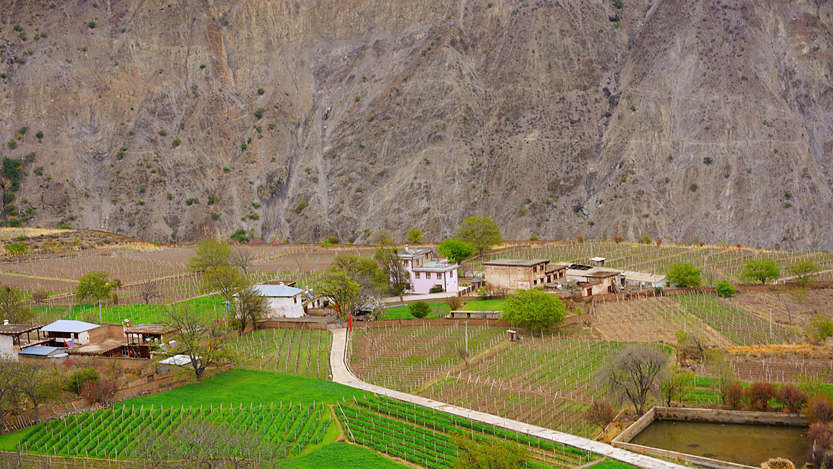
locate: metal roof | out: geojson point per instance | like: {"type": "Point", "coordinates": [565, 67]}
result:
{"type": "Point", "coordinates": [279, 291]}
{"type": "Point", "coordinates": [67, 325]}
{"type": "Point", "coordinates": [40, 350]}
{"type": "Point", "coordinates": [516, 262]}
{"type": "Point", "coordinates": [436, 267]}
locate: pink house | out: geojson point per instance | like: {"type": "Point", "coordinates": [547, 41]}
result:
{"type": "Point", "coordinates": [425, 273]}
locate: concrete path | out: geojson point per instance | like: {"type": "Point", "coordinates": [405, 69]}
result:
{"type": "Point", "coordinates": [343, 375]}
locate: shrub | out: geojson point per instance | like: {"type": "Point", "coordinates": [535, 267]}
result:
{"type": "Point", "coordinates": [260, 91]}
{"type": "Point", "coordinates": [176, 142]}
{"type": "Point", "coordinates": [455, 303]}
{"type": "Point", "coordinates": [534, 309]}
{"type": "Point", "coordinates": [684, 275]}
{"type": "Point", "coordinates": [258, 113]}
{"type": "Point", "coordinates": [79, 377]}
{"type": "Point", "coordinates": [191, 201]}
{"type": "Point", "coordinates": [39, 134]}
{"type": "Point", "coordinates": [419, 310]}
{"type": "Point", "coordinates": [301, 206]}
{"type": "Point", "coordinates": [12, 144]}
{"type": "Point", "coordinates": [708, 160]}
{"type": "Point", "coordinates": [819, 436]}
{"type": "Point", "coordinates": [240, 235]}
{"type": "Point", "coordinates": [792, 397]}
{"type": "Point", "coordinates": [91, 24]}
{"type": "Point", "coordinates": [821, 327]}
{"type": "Point", "coordinates": [759, 394]}
{"type": "Point", "coordinates": [819, 409]}
{"type": "Point", "coordinates": [601, 413]}
{"type": "Point", "coordinates": [732, 395]}
{"type": "Point", "coordinates": [333, 240]}
{"type": "Point", "coordinates": [725, 289]}
{"type": "Point", "coordinates": [98, 392]}
{"type": "Point", "coordinates": [693, 188]}
{"type": "Point", "coordinates": [436, 289]}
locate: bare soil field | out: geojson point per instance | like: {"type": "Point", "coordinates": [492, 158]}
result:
{"type": "Point", "coordinates": [782, 369]}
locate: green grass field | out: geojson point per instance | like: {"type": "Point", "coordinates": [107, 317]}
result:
{"type": "Point", "coordinates": [484, 305]}
{"type": "Point", "coordinates": [438, 310]}
{"type": "Point", "coordinates": [291, 351]}
{"type": "Point", "coordinates": [137, 313]}
{"type": "Point", "coordinates": [611, 464]}
{"type": "Point", "coordinates": [343, 456]}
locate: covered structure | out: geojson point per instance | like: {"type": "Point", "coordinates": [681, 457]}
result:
{"type": "Point", "coordinates": [69, 332]}
{"type": "Point", "coordinates": [523, 274]}
{"type": "Point", "coordinates": [13, 337]}
{"type": "Point", "coordinates": [644, 280]}
{"type": "Point", "coordinates": [284, 301]}
{"type": "Point", "coordinates": [43, 351]}
{"type": "Point", "coordinates": [142, 334]}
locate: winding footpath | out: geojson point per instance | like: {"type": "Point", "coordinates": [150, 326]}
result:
{"type": "Point", "coordinates": [343, 375]}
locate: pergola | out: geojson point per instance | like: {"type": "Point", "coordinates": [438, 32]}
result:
{"type": "Point", "coordinates": [138, 335]}
{"type": "Point", "coordinates": [16, 331]}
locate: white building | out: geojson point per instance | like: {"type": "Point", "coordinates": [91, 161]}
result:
{"type": "Point", "coordinates": [7, 350]}
{"type": "Point", "coordinates": [284, 301]}
{"type": "Point", "coordinates": [63, 330]}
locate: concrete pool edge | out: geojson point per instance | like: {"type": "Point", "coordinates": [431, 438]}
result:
{"type": "Point", "coordinates": [691, 414]}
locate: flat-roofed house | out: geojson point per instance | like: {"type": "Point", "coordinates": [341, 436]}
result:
{"type": "Point", "coordinates": [283, 301]}
{"type": "Point", "coordinates": [65, 330]}
{"type": "Point", "coordinates": [523, 274]}
{"type": "Point", "coordinates": [595, 280]}
{"type": "Point", "coordinates": [431, 275]}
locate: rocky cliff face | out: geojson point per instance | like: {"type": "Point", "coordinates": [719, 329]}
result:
{"type": "Point", "coordinates": [706, 120]}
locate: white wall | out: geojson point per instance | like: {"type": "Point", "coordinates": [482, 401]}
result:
{"type": "Point", "coordinates": [285, 307]}
{"type": "Point", "coordinates": [7, 351]}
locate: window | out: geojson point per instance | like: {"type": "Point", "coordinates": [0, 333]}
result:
{"type": "Point", "coordinates": [416, 275]}
{"type": "Point", "coordinates": [439, 275]}
{"type": "Point", "coordinates": [451, 274]}
{"type": "Point", "coordinates": [535, 282]}
{"type": "Point", "coordinates": [295, 299]}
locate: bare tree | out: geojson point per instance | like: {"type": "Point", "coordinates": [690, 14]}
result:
{"type": "Point", "coordinates": [9, 391]}
{"type": "Point", "coordinates": [37, 384]}
{"type": "Point", "coordinates": [200, 339]}
{"type": "Point", "coordinates": [148, 291]}
{"type": "Point", "coordinates": [634, 374]}
{"type": "Point", "coordinates": [250, 306]}
{"type": "Point", "coordinates": [242, 259]}
{"type": "Point", "coordinates": [398, 277]}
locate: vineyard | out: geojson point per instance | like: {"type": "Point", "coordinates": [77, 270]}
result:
{"type": "Point", "coordinates": [424, 436]}
{"type": "Point", "coordinates": [716, 262]}
{"type": "Point", "coordinates": [291, 351]}
{"type": "Point", "coordinates": [116, 433]}
{"type": "Point", "coordinates": [737, 325]}
{"type": "Point", "coordinates": [406, 358]}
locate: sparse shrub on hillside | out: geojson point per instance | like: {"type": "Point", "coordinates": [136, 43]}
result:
{"type": "Point", "coordinates": [301, 206]}
{"type": "Point", "coordinates": [693, 188]}
{"type": "Point", "coordinates": [240, 236]}
{"type": "Point", "coordinates": [91, 25]}
{"type": "Point", "coordinates": [260, 91]}
{"type": "Point", "coordinates": [191, 201]}
{"type": "Point", "coordinates": [163, 133]}
{"type": "Point", "coordinates": [176, 142]}
{"type": "Point", "coordinates": [39, 135]}
{"type": "Point", "coordinates": [12, 144]}
{"type": "Point", "coordinates": [708, 160]}
{"type": "Point", "coordinates": [258, 113]}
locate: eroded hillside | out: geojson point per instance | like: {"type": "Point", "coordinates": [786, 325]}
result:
{"type": "Point", "coordinates": [703, 120]}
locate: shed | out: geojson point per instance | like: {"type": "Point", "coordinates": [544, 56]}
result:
{"type": "Point", "coordinates": [144, 333]}
{"type": "Point", "coordinates": [284, 301]}
{"type": "Point", "coordinates": [63, 330]}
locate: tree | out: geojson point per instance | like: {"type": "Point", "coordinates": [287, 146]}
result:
{"type": "Point", "coordinates": [391, 265]}
{"type": "Point", "coordinates": [343, 290]}
{"type": "Point", "coordinates": [251, 305]}
{"type": "Point", "coordinates": [675, 384]}
{"type": "Point", "coordinates": [12, 307]}
{"type": "Point", "coordinates": [225, 280]}
{"type": "Point", "coordinates": [419, 310]}
{"type": "Point", "coordinates": [364, 271]}
{"type": "Point", "coordinates": [684, 275]}
{"type": "Point", "coordinates": [794, 398]}
{"type": "Point", "coordinates": [148, 291]}
{"type": "Point", "coordinates": [413, 236]}
{"type": "Point", "coordinates": [9, 391]}
{"type": "Point", "coordinates": [803, 271]}
{"type": "Point", "coordinates": [821, 327]}
{"type": "Point", "coordinates": [37, 383]}
{"type": "Point", "coordinates": [489, 454]}
{"type": "Point", "coordinates": [381, 237]}
{"type": "Point", "coordinates": [17, 249]}
{"type": "Point", "coordinates": [534, 309]}
{"type": "Point", "coordinates": [725, 289]}
{"type": "Point", "coordinates": [94, 287]}
{"type": "Point", "coordinates": [242, 259]}
{"type": "Point", "coordinates": [760, 270]}
{"type": "Point", "coordinates": [455, 250]}
{"type": "Point", "coordinates": [759, 394]}
{"type": "Point", "coordinates": [634, 374]}
{"type": "Point", "coordinates": [480, 232]}
{"type": "Point", "coordinates": [601, 413]}
{"type": "Point", "coordinates": [209, 254]}
{"type": "Point", "coordinates": [199, 338]}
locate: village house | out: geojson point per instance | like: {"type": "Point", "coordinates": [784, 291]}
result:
{"type": "Point", "coordinates": [523, 274]}
{"type": "Point", "coordinates": [68, 332]}
{"type": "Point", "coordinates": [283, 301]}
{"type": "Point", "coordinates": [595, 280]}
{"type": "Point", "coordinates": [15, 336]}
{"type": "Point", "coordinates": [433, 276]}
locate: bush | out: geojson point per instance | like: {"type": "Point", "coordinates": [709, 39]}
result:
{"type": "Point", "coordinates": [684, 275]}
{"type": "Point", "coordinates": [821, 327]}
{"type": "Point", "coordinates": [176, 142]}
{"type": "Point", "coordinates": [436, 289]}
{"type": "Point", "coordinates": [819, 409]}
{"type": "Point", "coordinates": [240, 236]}
{"type": "Point", "coordinates": [98, 392]}
{"type": "Point", "coordinates": [78, 378]}
{"type": "Point", "coordinates": [759, 395]}
{"type": "Point", "coordinates": [792, 397]}
{"type": "Point", "coordinates": [455, 303]}
{"type": "Point", "coordinates": [725, 289]}
{"type": "Point", "coordinates": [419, 310]}
{"type": "Point", "coordinates": [301, 206]}
{"type": "Point", "coordinates": [601, 413]}
{"type": "Point", "coordinates": [732, 395]}
{"type": "Point", "coordinates": [333, 240]}
{"type": "Point", "coordinates": [820, 436]}
{"type": "Point", "coordinates": [534, 309]}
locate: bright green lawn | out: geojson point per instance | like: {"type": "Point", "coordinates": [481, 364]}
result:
{"type": "Point", "coordinates": [244, 386]}
{"type": "Point", "coordinates": [611, 464]}
{"type": "Point", "coordinates": [438, 310]}
{"type": "Point", "coordinates": [9, 441]}
{"type": "Point", "coordinates": [484, 305]}
{"type": "Point", "coordinates": [343, 456]}
{"type": "Point", "coordinates": [137, 313]}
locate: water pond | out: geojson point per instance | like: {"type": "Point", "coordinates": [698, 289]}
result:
{"type": "Point", "coordinates": [743, 444]}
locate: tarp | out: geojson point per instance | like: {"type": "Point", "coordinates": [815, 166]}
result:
{"type": "Point", "coordinates": [178, 360]}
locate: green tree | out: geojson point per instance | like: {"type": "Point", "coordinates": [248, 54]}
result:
{"type": "Point", "coordinates": [534, 309]}
{"type": "Point", "coordinates": [684, 275]}
{"type": "Point", "coordinates": [455, 250]}
{"type": "Point", "coordinates": [381, 237]}
{"type": "Point", "coordinates": [480, 232]}
{"type": "Point", "coordinates": [489, 454]}
{"type": "Point", "coordinates": [391, 265]}
{"type": "Point", "coordinates": [760, 270]}
{"type": "Point", "coordinates": [210, 253]}
{"type": "Point", "coordinates": [12, 307]}
{"type": "Point", "coordinates": [419, 310]}
{"type": "Point", "coordinates": [342, 289]}
{"type": "Point", "coordinates": [94, 287]}
{"type": "Point", "coordinates": [676, 384]}
{"type": "Point", "coordinates": [413, 235]}
{"type": "Point", "coordinates": [821, 327]}
{"type": "Point", "coordinates": [199, 338]}
{"type": "Point", "coordinates": [17, 249]}
{"type": "Point", "coordinates": [225, 280]}
{"type": "Point", "coordinates": [249, 308]}
{"type": "Point", "coordinates": [803, 271]}
{"type": "Point", "coordinates": [725, 289]}
{"type": "Point", "coordinates": [363, 270]}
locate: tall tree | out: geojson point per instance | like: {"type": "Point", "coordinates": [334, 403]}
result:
{"type": "Point", "coordinates": [634, 374]}
{"type": "Point", "coordinates": [12, 307]}
{"type": "Point", "coordinates": [398, 277]}
{"type": "Point", "coordinates": [534, 309]}
{"type": "Point", "coordinates": [685, 275]}
{"type": "Point", "coordinates": [803, 271]}
{"type": "Point", "coordinates": [480, 232]}
{"type": "Point", "coordinates": [760, 270]}
{"type": "Point", "coordinates": [199, 338]}
{"type": "Point", "coordinates": [225, 280]}
{"type": "Point", "coordinates": [94, 287]}
{"type": "Point", "coordinates": [36, 383]}
{"type": "Point", "coordinates": [250, 307]}
{"type": "Point", "coordinates": [455, 250]}
{"type": "Point", "coordinates": [343, 290]}
{"type": "Point", "coordinates": [210, 253]}
{"type": "Point", "coordinates": [242, 259]}
{"type": "Point", "coordinates": [364, 271]}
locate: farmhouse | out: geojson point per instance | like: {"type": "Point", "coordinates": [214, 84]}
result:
{"type": "Point", "coordinates": [433, 276]}
{"type": "Point", "coordinates": [414, 257]}
{"type": "Point", "coordinates": [523, 274]}
{"type": "Point", "coordinates": [68, 332]}
{"type": "Point", "coordinates": [284, 301]}
{"type": "Point", "coordinates": [595, 280]}
{"type": "Point", "coordinates": [15, 336]}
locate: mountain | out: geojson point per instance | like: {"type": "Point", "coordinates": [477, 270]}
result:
{"type": "Point", "coordinates": [694, 121]}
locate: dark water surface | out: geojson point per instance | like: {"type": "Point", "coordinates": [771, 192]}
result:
{"type": "Point", "coordinates": [743, 444]}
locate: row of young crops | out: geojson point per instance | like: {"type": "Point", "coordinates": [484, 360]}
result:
{"type": "Point", "coordinates": [292, 351]}
{"type": "Point", "coordinates": [737, 325]}
{"type": "Point", "coordinates": [117, 432]}
{"type": "Point", "coordinates": [425, 436]}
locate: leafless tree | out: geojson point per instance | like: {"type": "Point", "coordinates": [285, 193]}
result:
{"type": "Point", "coordinates": [148, 291]}
{"type": "Point", "coordinates": [200, 339]}
{"type": "Point", "coordinates": [250, 307]}
{"type": "Point", "coordinates": [634, 374]}
{"type": "Point", "coordinates": [37, 384]}
{"type": "Point", "coordinates": [242, 259]}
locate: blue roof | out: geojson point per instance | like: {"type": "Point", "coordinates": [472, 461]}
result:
{"type": "Point", "coordinates": [40, 350]}
{"type": "Point", "coordinates": [67, 325]}
{"type": "Point", "coordinates": [283, 291]}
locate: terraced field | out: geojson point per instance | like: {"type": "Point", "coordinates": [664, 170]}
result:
{"type": "Point", "coordinates": [735, 324]}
